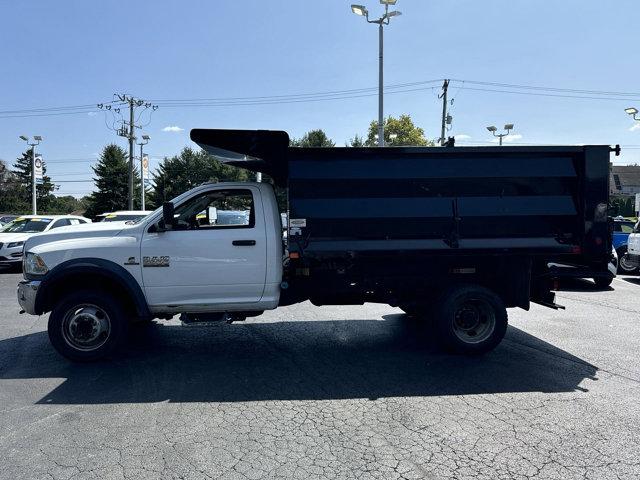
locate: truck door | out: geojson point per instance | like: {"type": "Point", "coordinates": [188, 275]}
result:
{"type": "Point", "coordinates": [215, 255]}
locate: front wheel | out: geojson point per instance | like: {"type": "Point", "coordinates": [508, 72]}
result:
{"type": "Point", "coordinates": [87, 326]}
{"type": "Point", "coordinates": [471, 320]}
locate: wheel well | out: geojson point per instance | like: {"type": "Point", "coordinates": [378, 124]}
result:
{"type": "Point", "coordinates": [89, 281]}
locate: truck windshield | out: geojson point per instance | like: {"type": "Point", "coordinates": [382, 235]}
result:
{"type": "Point", "coordinates": [27, 225]}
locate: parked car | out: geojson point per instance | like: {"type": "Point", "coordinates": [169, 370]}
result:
{"type": "Point", "coordinates": [4, 219]}
{"type": "Point", "coordinates": [622, 228]}
{"type": "Point", "coordinates": [14, 234]}
{"type": "Point", "coordinates": [123, 216]}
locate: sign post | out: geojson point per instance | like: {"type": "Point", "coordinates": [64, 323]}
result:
{"type": "Point", "coordinates": [145, 177]}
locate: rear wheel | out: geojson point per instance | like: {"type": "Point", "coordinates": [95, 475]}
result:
{"type": "Point", "coordinates": [470, 320]}
{"type": "Point", "coordinates": [87, 325]}
{"type": "Point", "coordinates": [624, 262]}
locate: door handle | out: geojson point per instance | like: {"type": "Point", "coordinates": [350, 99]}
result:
{"type": "Point", "coordinates": [244, 243]}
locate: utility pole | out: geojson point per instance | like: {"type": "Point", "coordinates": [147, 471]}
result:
{"type": "Point", "coordinates": [127, 130]}
{"type": "Point", "coordinates": [443, 96]}
{"type": "Point", "coordinates": [381, 85]}
{"type": "Point", "coordinates": [132, 140]}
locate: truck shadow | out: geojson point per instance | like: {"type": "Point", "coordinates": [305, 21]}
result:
{"type": "Point", "coordinates": [580, 285]}
{"type": "Point", "coordinates": [293, 360]}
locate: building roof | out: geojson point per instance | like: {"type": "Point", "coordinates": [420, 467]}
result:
{"type": "Point", "coordinates": [624, 176]}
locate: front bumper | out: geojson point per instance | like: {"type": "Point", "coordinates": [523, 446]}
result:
{"type": "Point", "coordinates": [27, 292]}
{"type": "Point", "coordinates": [10, 258]}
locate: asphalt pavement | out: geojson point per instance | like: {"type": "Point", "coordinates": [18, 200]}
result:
{"type": "Point", "coordinates": [333, 392]}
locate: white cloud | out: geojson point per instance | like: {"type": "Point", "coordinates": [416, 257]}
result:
{"type": "Point", "coordinates": [508, 139]}
{"type": "Point", "coordinates": [92, 114]}
{"type": "Point", "coordinates": [173, 128]}
{"type": "Point", "coordinates": [462, 136]}
{"type": "Point", "coordinates": [636, 126]}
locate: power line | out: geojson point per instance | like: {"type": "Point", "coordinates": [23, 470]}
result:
{"type": "Point", "coordinates": [551, 89]}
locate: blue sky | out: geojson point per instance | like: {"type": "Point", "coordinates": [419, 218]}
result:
{"type": "Point", "coordinates": [81, 52]}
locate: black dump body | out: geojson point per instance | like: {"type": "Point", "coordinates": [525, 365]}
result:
{"type": "Point", "coordinates": [370, 209]}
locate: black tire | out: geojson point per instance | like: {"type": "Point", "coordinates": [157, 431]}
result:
{"type": "Point", "coordinates": [624, 268]}
{"type": "Point", "coordinates": [470, 320]}
{"type": "Point", "coordinates": [80, 317]}
{"type": "Point", "coordinates": [603, 282]}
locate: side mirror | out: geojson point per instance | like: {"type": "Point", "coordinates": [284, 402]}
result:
{"type": "Point", "coordinates": [168, 212]}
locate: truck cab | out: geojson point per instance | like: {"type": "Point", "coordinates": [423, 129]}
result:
{"type": "Point", "coordinates": [155, 269]}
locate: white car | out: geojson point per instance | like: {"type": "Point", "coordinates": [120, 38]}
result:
{"type": "Point", "coordinates": [123, 216]}
{"type": "Point", "coordinates": [14, 234]}
{"type": "Point", "coordinates": [633, 248]}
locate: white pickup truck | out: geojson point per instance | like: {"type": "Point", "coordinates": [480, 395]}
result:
{"type": "Point", "coordinates": [454, 236]}
{"type": "Point", "coordinates": [90, 277]}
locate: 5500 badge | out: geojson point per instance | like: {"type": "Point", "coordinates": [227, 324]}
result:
{"type": "Point", "coordinates": [155, 261]}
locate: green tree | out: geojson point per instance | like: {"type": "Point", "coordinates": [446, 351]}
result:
{"type": "Point", "coordinates": [190, 168]}
{"type": "Point", "coordinates": [313, 138]}
{"type": "Point", "coordinates": [623, 205]}
{"type": "Point", "coordinates": [356, 141]}
{"type": "Point", "coordinates": [67, 204]}
{"type": "Point", "coordinates": [398, 132]}
{"type": "Point", "coordinates": [11, 196]}
{"type": "Point", "coordinates": [44, 191]}
{"type": "Point", "coordinates": [111, 179]}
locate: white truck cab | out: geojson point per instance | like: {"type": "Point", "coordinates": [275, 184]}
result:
{"type": "Point", "coordinates": [156, 270]}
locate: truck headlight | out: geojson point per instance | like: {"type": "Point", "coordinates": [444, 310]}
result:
{"type": "Point", "coordinates": [15, 244]}
{"type": "Point", "coordinates": [32, 264]}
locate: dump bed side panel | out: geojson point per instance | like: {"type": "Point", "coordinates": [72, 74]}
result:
{"type": "Point", "coordinates": [547, 199]}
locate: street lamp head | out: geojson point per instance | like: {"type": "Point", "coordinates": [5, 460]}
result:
{"type": "Point", "coordinates": [146, 137]}
{"type": "Point", "coordinates": [359, 10]}
{"type": "Point", "coordinates": [37, 138]}
{"type": "Point", "coordinates": [388, 2]}
{"type": "Point", "coordinates": [508, 126]}
{"type": "Point", "coordinates": [395, 13]}
{"type": "Point", "coordinates": [631, 110]}
{"type": "Point", "coordinates": [492, 129]}
{"type": "Point", "coordinates": [22, 137]}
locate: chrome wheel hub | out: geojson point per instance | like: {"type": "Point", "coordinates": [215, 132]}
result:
{"type": "Point", "coordinates": [474, 321]}
{"type": "Point", "coordinates": [86, 327]}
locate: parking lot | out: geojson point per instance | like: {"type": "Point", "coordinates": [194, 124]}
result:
{"type": "Point", "coordinates": [332, 392]}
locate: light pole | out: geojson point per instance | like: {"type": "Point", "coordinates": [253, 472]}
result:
{"type": "Point", "coordinates": [508, 127]}
{"type": "Point", "coordinates": [633, 112]}
{"type": "Point", "coordinates": [36, 141]}
{"type": "Point", "coordinates": [145, 140]}
{"type": "Point", "coordinates": [383, 20]}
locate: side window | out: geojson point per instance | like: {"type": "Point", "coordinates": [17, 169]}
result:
{"type": "Point", "coordinates": [74, 221]}
{"type": "Point", "coordinates": [217, 210]}
{"type": "Point", "coordinates": [627, 228]}
{"type": "Point", "coordinates": [63, 222]}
